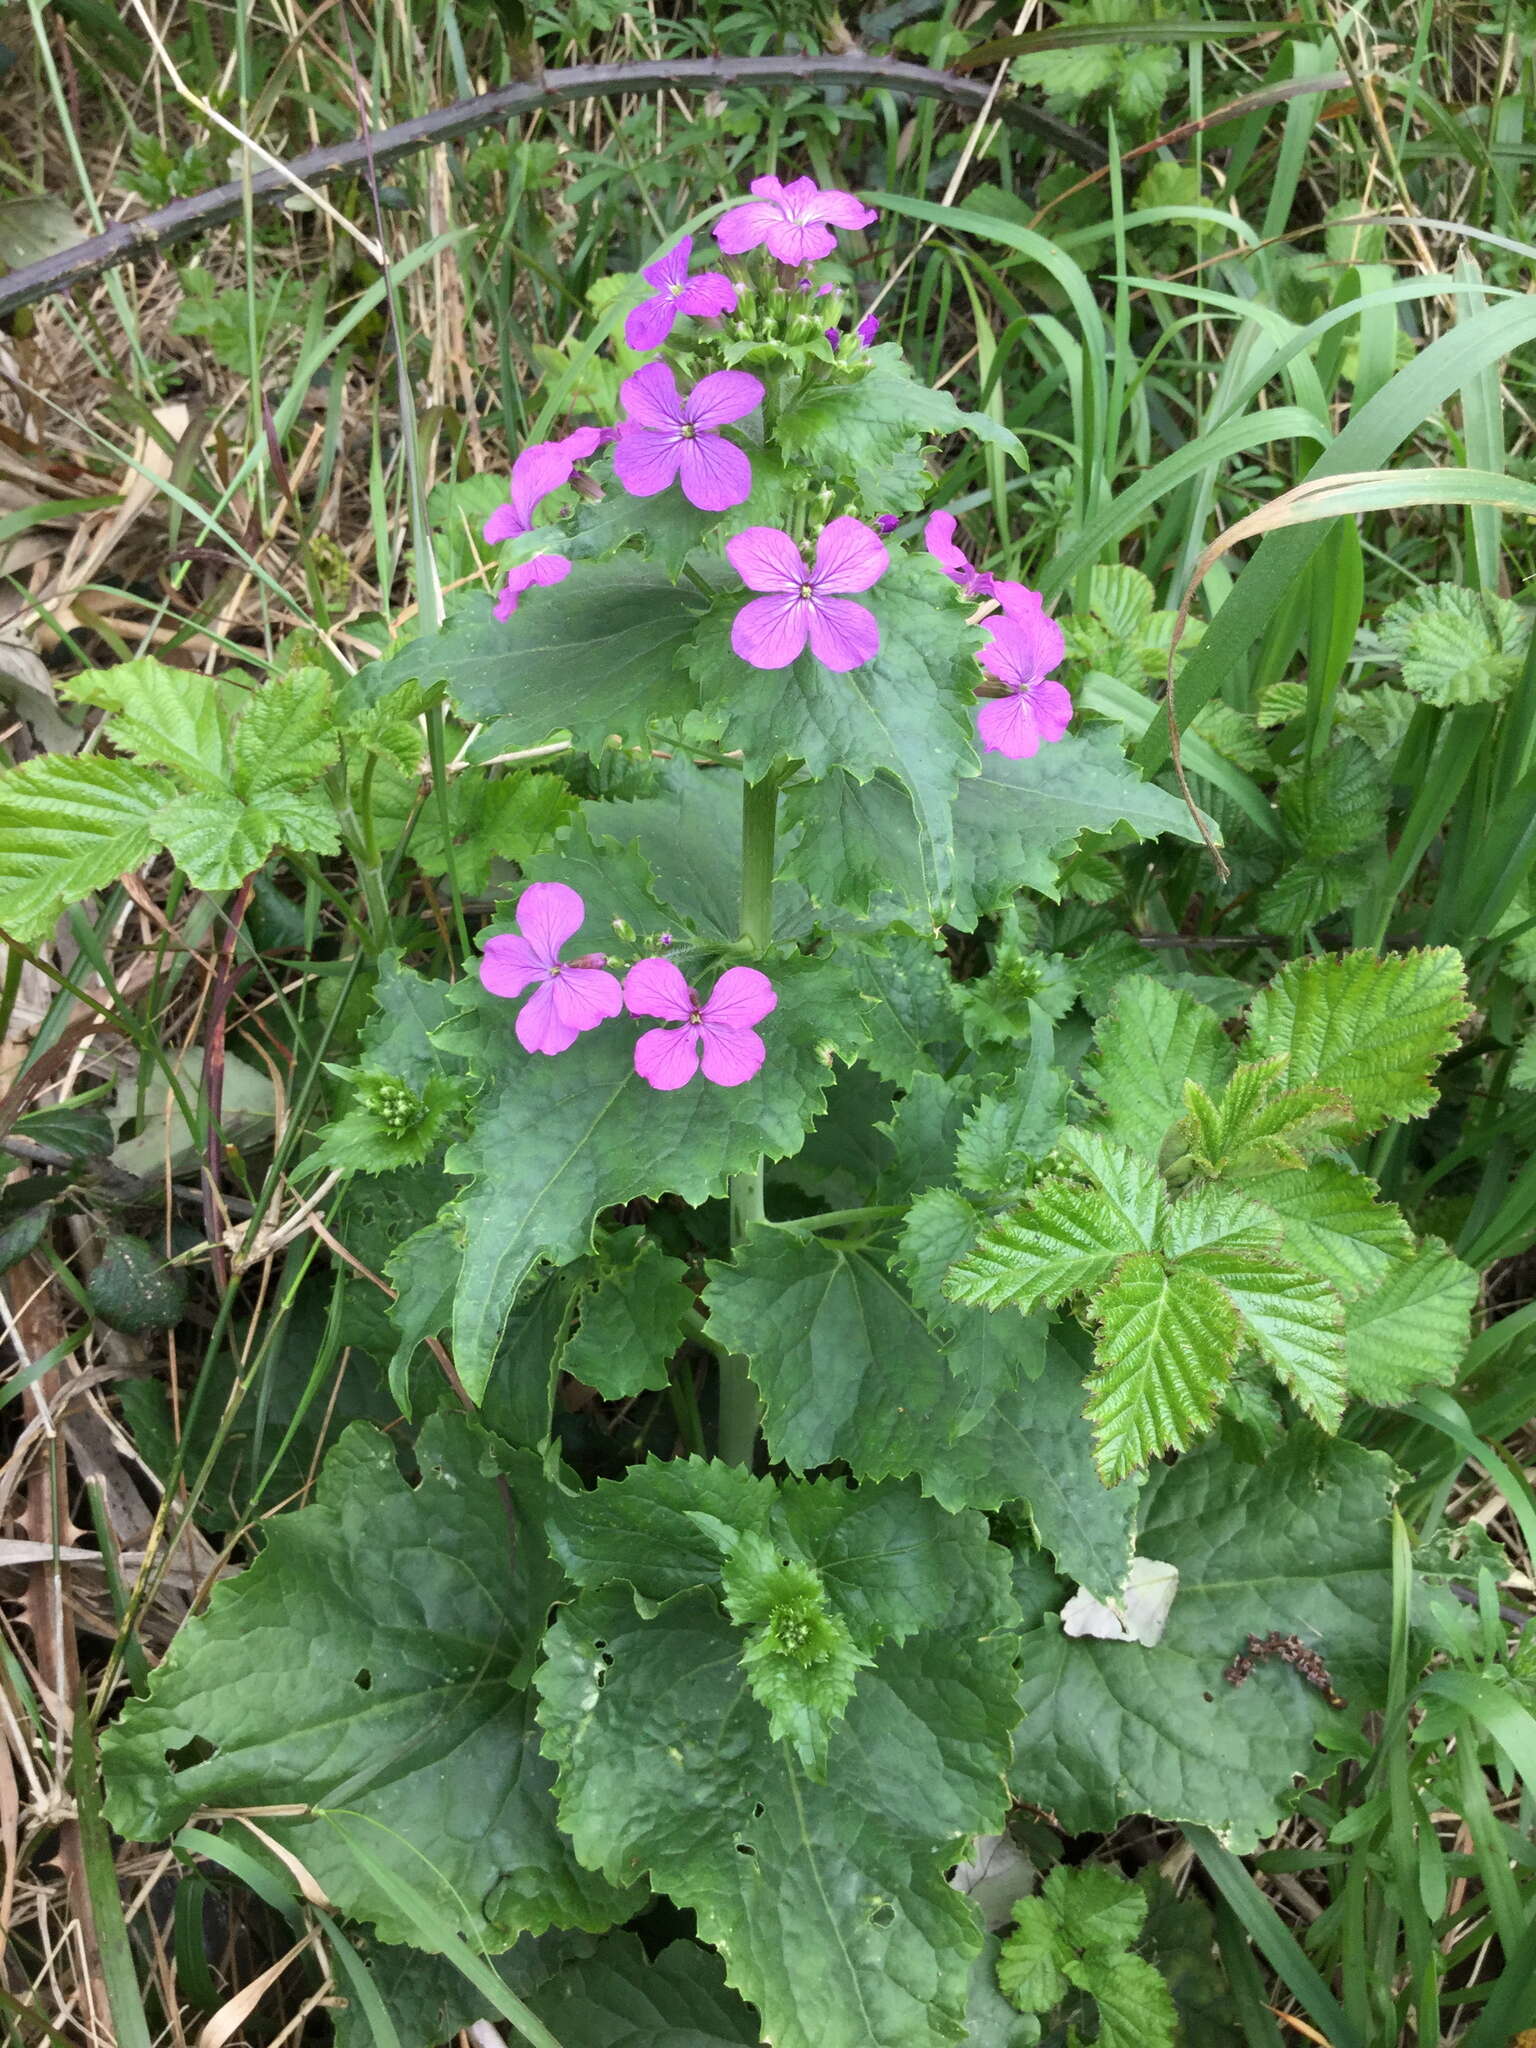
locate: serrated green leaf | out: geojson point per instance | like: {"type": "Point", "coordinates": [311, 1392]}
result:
{"type": "Point", "coordinates": [594, 655]}
{"type": "Point", "coordinates": [924, 1128]}
{"type": "Point", "coordinates": [1210, 1216]}
{"type": "Point", "coordinates": [1066, 1238]}
{"type": "Point", "coordinates": [633, 1321]}
{"type": "Point", "coordinates": [858, 843]}
{"type": "Point", "coordinates": [428, 1999]}
{"type": "Point", "coordinates": [1136, 2008]}
{"type": "Point", "coordinates": [846, 1366]}
{"type": "Point", "coordinates": [1131, 1184]}
{"type": "Point", "coordinates": [369, 1663]}
{"type": "Point", "coordinates": [218, 840]}
{"type": "Point", "coordinates": [555, 1141]}
{"type": "Point", "coordinates": [68, 826]}
{"type": "Point", "coordinates": [1338, 802]}
{"type": "Point", "coordinates": [1299, 1545]}
{"type": "Point", "coordinates": [1331, 1223]}
{"type": "Point", "coordinates": [1167, 1340]}
{"type": "Point", "coordinates": [1005, 1138]}
{"type": "Point", "coordinates": [1148, 1045]}
{"type": "Point", "coordinates": [827, 1901]}
{"type": "Point", "coordinates": [1257, 1121]}
{"type": "Point", "coordinates": [621, 1997]}
{"type": "Point", "coordinates": [1412, 1328]}
{"type": "Point", "coordinates": [286, 738]}
{"type": "Point", "coordinates": [939, 1228]}
{"type": "Point", "coordinates": [173, 717]}
{"type": "Point", "coordinates": [908, 713]}
{"type": "Point", "coordinates": [1028, 1972]}
{"type": "Point", "coordinates": [909, 1005]}
{"type": "Point", "coordinates": [1456, 646]}
{"type": "Point", "coordinates": [1294, 1320]}
{"type": "Point", "coordinates": [1034, 1446]}
{"type": "Point", "coordinates": [1373, 1029]}
{"type": "Point", "coordinates": [513, 817]}
{"type": "Point", "coordinates": [1014, 819]}
{"type": "Point", "coordinates": [859, 424]}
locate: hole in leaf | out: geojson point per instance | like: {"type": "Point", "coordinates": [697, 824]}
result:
{"type": "Point", "coordinates": [757, 1811]}
{"type": "Point", "coordinates": [364, 1680]}
{"type": "Point", "coordinates": [745, 1849]}
{"type": "Point", "coordinates": [1207, 1697]}
{"type": "Point", "coordinates": [882, 1916]}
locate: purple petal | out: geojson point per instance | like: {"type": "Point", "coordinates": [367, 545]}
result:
{"type": "Point", "coordinates": [868, 328]}
{"type": "Point", "coordinates": [508, 964]}
{"type": "Point", "coordinates": [843, 634]}
{"type": "Point", "coordinates": [770, 631]}
{"type": "Point", "coordinates": [1007, 725]}
{"type": "Point", "coordinates": [837, 209]}
{"type": "Point", "coordinates": [939, 540]}
{"type": "Point", "coordinates": [539, 1027]}
{"type": "Point", "coordinates": [1019, 601]}
{"type": "Point", "coordinates": [707, 296]}
{"type": "Point", "coordinates": [670, 268]}
{"type": "Point", "coordinates": [1053, 709]}
{"type": "Point", "coordinates": [848, 557]}
{"type": "Point", "coordinates": [765, 558]}
{"type": "Point", "coordinates": [714, 473]}
{"type": "Point", "coordinates": [1022, 648]}
{"type": "Point", "coordinates": [583, 441]}
{"type": "Point", "coordinates": [538, 471]}
{"type": "Point", "coordinates": [887, 522]}
{"type": "Point", "coordinates": [505, 523]}
{"type": "Point", "coordinates": [725, 396]}
{"type": "Point", "coordinates": [834, 339]}
{"type": "Point", "coordinates": [645, 462]}
{"type": "Point", "coordinates": [742, 996]}
{"type": "Point", "coordinates": [549, 913]}
{"type": "Point", "coordinates": [655, 988]}
{"type": "Point", "coordinates": [536, 574]}
{"type": "Point", "coordinates": [794, 197]}
{"type": "Point", "coordinates": [731, 1057]}
{"type": "Point", "coordinates": [667, 1059]}
{"type": "Point", "coordinates": [586, 996]}
{"type": "Point", "coordinates": [799, 242]}
{"type": "Point", "coordinates": [744, 227]}
{"type": "Point", "coordinates": [647, 326]}
{"type": "Point", "coordinates": [650, 397]}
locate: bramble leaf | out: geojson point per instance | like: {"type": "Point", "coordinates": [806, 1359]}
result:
{"type": "Point", "coordinates": [827, 1900]}
{"type": "Point", "coordinates": [1257, 1122]}
{"type": "Point", "coordinates": [1456, 646]}
{"type": "Point", "coordinates": [1294, 1320]}
{"type": "Point", "coordinates": [1331, 1223]}
{"type": "Point", "coordinates": [1373, 1029]}
{"type": "Point", "coordinates": [69, 826]}
{"type": "Point", "coordinates": [173, 717]}
{"type": "Point", "coordinates": [286, 738]}
{"type": "Point", "coordinates": [1412, 1328]}
{"type": "Point", "coordinates": [218, 840]}
{"type": "Point", "coordinates": [1064, 1239]}
{"type": "Point", "coordinates": [1167, 1339]}
{"type": "Point", "coordinates": [1149, 1043]}
{"type": "Point", "coordinates": [1299, 1545]}
{"type": "Point", "coordinates": [370, 1663]}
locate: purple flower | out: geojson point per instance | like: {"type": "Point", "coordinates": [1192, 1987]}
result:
{"type": "Point", "coordinates": [939, 540]}
{"type": "Point", "coordinates": [541, 571]}
{"type": "Point", "coordinates": [803, 603]}
{"type": "Point", "coordinates": [670, 434]}
{"type": "Point", "coordinates": [537, 471]}
{"type": "Point", "coordinates": [1023, 646]}
{"type": "Point", "coordinates": [706, 296]}
{"type": "Point", "coordinates": [866, 331]}
{"type": "Point", "coordinates": [570, 998]}
{"type": "Point", "coordinates": [887, 522]}
{"type": "Point", "coordinates": [796, 221]}
{"type": "Point", "coordinates": [716, 1035]}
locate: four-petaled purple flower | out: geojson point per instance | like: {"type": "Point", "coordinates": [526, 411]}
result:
{"type": "Point", "coordinates": [537, 471]}
{"type": "Point", "coordinates": [1023, 647]}
{"type": "Point", "coordinates": [939, 540]}
{"type": "Point", "coordinates": [674, 434]}
{"type": "Point", "coordinates": [795, 220]}
{"type": "Point", "coordinates": [571, 997]}
{"type": "Point", "coordinates": [705, 296]}
{"type": "Point", "coordinates": [806, 604]}
{"type": "Point", "coordinates": [717, 1035]}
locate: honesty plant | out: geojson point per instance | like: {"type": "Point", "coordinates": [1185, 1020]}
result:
{"type": "Point", "coordinates": [937, 1227]}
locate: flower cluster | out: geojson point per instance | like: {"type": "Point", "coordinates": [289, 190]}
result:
{"type": "Point", "coordinates": [714, 1034]}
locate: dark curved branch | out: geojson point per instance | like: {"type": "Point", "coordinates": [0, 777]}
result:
{"type": "Point", "coordinates": [185, 218]}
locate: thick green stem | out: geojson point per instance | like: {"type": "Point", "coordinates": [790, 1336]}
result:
{"type": "Point", "coordinates": [759, 815]}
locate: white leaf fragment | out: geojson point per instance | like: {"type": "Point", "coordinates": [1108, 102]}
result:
{"type": "Point", "coordinates": [1139, 1615]}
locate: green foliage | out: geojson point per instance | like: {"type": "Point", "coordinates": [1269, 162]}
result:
{"type": "Point", "coordinates": [1079, 1932]}
{"type": "Point", "coordinates": [68, 827]}
{"type": "Point", "coordinates": [633, 1319]}
{"type": "Point", "coordinates": [1456, 646]}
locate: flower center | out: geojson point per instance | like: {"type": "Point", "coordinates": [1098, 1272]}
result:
{"type": "Point", "coordinates": [807, 591]}
{"type": "Point", "coordinates": [688, 431]}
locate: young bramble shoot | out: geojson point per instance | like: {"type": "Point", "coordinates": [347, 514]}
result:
{"type": "Point", "coordinates": [794, 220]}
{"type": "Point", "coordinates": [668, 434]}
{"type": "Point", "coordinates": [716, 1035]}
{"type": "Point", "coordinates": [807, 604]}
{"type": "Point", "coordinates": [705, 297]}
{"type": "Point", "coordinates": [571, 996]}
